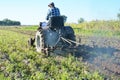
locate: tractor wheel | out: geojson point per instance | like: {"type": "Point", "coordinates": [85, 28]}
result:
{"type": "Point", "coordinates": [70, 34]}
{"type": "Point", "coordinates": [39, 41]}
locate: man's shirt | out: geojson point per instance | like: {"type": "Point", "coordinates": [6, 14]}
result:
{"type": "Point", "coordinates": [53, 12]}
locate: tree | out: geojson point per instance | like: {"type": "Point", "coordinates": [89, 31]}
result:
{"type": "Point", "coordinates": [81, 20]}
{"type": "Point", "coordinates": [118, 15]}
{"type": "Point", "coordinates": [8, 22]}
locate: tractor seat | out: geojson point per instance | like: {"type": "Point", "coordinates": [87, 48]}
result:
{"type": "Point", "coordinates": [56, 22]}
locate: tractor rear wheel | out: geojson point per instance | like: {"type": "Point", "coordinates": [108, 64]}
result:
{"type": "Point", "coordinates": [39, 41]}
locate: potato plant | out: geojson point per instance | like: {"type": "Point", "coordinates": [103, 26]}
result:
{"type": "Point", "coordinates": [18, 61]}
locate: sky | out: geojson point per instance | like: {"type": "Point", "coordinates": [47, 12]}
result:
{"type": "Point", "coordinates": [31, 12]}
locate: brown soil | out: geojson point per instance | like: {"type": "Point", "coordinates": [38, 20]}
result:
{"type": "Point", "coordinates": [101, 54]}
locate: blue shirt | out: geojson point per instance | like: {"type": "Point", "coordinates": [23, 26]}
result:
{"type": "Point", "coordinates": [52, 12]}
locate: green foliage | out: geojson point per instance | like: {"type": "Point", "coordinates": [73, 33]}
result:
{"type": "Point", "coordinates": [7, 22]}
{"type": "Point", "coordinates": [81, 20]}
{"type": "Point", "coordinates": [3, 78]}
{"type": "Point", "coordinates": [97, 28]}
{"type": "Point", "coordinates": [30, 28]}
{"type": "Point", "coordinates": [118, 15]}
{"type": "Point", "coordinates": [20, 62]}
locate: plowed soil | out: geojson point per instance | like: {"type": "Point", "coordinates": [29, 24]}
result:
{"type": "Point", "coordinates": [101, 54]}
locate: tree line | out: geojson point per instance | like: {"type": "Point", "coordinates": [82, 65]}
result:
{"type": "Point", "coordinates": [8, 22]}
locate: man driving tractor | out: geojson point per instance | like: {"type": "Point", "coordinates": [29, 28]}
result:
{"type": "Point", "coordinates": [53, 11]}
{"type": "Point", "coordinates": [53, 35]}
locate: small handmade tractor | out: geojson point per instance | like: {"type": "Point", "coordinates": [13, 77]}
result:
{"type": "Point", "coordinates": [54, 37]}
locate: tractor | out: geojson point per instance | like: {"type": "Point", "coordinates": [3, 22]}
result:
{"type": "Point", "coordinates": [54, 36]}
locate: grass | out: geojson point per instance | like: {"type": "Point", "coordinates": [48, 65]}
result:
{"type": "Point", "coordinates": [30, 28]}
{"type": "Point", "coordinates": [100, 33]}
{"type": "Point", "coordinates": [97, 28]}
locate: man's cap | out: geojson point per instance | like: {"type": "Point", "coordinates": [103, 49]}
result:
{"type": "Point", "coordinates": [51, 4]}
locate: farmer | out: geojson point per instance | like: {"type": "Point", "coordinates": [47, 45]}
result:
{"type": "Point", "coordinates": [53, 11]}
